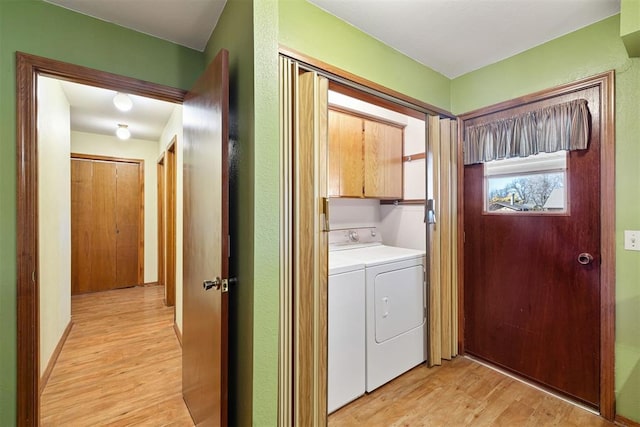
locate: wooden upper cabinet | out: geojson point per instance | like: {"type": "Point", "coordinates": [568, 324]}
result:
{"type": "Point", "coordinates": [382, 160]}
{"type": "Point", "coordinates": [346, 165]}
{"type": "Point", "coordinates": [365, 157]}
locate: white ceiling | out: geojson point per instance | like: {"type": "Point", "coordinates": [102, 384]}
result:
{"type": "Point", "coordinates": [452, 37]}
{"type": "Point", "coordinates": [455, 37]}
{"type": "Point", "coordinates": [185, 22]}
{"type": "Point", "coordinates": [92, 111]}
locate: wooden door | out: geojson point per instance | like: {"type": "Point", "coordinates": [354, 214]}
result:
{"type": "Point", "coordinates": [81, 225]}
{"type": "Point", "coordinates": [128, 218]}
{"type": "Point", "coordinates": [103, 230]}
{"type": "Point", "coordinates": [382, 160]}
{"type": "Point", "coordinates": [205, 246]}
{"type": "Point", "coordinates": [107, 223]}
{"type": "Point", "coordinates": [530, 306]}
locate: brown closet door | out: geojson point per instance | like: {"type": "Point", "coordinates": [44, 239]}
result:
{"type": "Point", "coordinates": [103, 236]}
{"type": "Point", "coordinates": [106, 218]}
{"type": "Point", "coordinates": [127, 224]}
{"type": "Point", "coordinates": [81, 212]}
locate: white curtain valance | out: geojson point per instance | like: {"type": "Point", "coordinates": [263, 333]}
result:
{"type": "Point", "coordinates": [558, 127]}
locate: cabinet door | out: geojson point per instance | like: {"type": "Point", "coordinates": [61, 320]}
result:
{"type": "Point", "coordinates": [382, 160]}
{"type": "Point", "coordinates": [346, 166]}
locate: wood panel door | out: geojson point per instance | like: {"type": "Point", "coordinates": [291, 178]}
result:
{"type": "Point", "coordinates": [205, 245]}
{"type": "Point", "coordinates": [106, 225]}
{"type": "Point", "coordinates": [128, 227]}
{"type": "Point", "coordinates": [530, 305]}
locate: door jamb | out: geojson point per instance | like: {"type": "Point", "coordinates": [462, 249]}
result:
{"type": "Point", "coordinates": [342, 81]}
{"type": "Point", "coordinates": [170, 222]}
{"type": "Point", "coordinates": [161, 215]}
{"type": "Point", "coordinates": [28, 68]}
{"type": "Point", "coordinates": [606, 84]}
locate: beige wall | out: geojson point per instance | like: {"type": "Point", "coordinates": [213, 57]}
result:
{"type": "Point", "coordinates": [174, 128]}
{"type": "Point", "coordinates": [104, 145]}
{"type": "Point", "coordinates": [54, 213]}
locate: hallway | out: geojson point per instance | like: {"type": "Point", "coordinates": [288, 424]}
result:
{"type": "Point", "coordinates": [121, 364]}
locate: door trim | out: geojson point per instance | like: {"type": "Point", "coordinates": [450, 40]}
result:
{"type": "Point", "coordinates": [170, 223]}
{"type": "Point", "coordinates": [348, 83]}
{"type": "Point", "coordinates": [28, 67]}
{"type": "Point", "coordinates": [160, 207]}
{"type": "Point", "coordinates": [140, 163]}
{"type": "Point", "coordinates": [290, 404]}
{"type": "Point", "coordinates": [605, 83]}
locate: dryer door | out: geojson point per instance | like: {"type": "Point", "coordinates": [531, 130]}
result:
{"type": "Point", "coordinates": [398, 302]}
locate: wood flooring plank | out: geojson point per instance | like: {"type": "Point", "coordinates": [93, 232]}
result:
{"type": "Point", "coordinates": [121, 364]}
{"type": "Point", "coordinates": [460, 393]}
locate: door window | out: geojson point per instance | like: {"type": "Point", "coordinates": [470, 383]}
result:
{"type": "Point", "coordinates": [534, 184]}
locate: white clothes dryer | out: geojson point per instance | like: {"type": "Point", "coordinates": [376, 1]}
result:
{"type": "Point", "coordinates": [395, 311]}
{"type": "Point", "coordinates": [395, 302]}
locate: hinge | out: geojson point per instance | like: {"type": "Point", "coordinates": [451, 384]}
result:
{"type": "Point", "coordinates": [325, 212]}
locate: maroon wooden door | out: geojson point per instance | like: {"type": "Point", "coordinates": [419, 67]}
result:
{"type": "Point", "coordinates": [205, 245]}
{"type": "Point", "coordinates": [529, 305]}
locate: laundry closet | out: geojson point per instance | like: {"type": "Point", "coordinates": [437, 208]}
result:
{"type": "Point", "coordinates": [377, 288]}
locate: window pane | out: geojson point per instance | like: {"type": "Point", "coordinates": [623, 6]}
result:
{"type": "Point", "coordinates": [532, 184]}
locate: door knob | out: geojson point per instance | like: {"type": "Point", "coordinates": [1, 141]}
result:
{"type": "Point", "coordinates": [208, 284]}
{"type": "Point", "coordinates": [585, 258]}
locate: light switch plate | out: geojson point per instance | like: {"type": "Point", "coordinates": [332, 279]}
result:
{"type": "Point", "coordinates": [632, 240]}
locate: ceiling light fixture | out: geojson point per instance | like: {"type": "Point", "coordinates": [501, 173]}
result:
{"type": "Point", "coordinates": [123, 131]}
{"type": "Point", "coordinates": [122, 101]}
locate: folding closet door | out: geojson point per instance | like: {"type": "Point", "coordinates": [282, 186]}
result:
{"type": "Point", "coordinates": [105, 225]}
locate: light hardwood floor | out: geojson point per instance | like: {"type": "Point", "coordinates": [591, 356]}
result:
{"type": "Point", "coordinates": [121, 364]}
{"type": "Point", "coordinates": [460, 393]}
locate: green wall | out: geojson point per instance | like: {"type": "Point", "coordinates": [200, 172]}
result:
{"type": "Point", "coordinates": [234, 32]}
{"type": "Point", "coordinates": [251, 31]}
{"type": "Point", "coordinates": [586, 52]}
{"type": "Point", "coordinates": [267, 220]}
{"type": "Point", "coordinates": [39, 28]}
{"type": "Point", "coordinates": [248, 29]}
{"type": "Point", "coordinates": [630, 26]}
{"type": "Point", "coordinates": [314, 32]}
{"type": "Point", "coordinates": [253, 350]}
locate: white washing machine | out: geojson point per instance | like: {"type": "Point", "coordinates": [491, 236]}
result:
{"type": "Point", "coordinates": [346, 331]}
{"type": "Point", "coordinates": [395, 305]}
